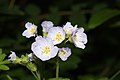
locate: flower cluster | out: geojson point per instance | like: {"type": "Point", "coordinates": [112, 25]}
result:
{"type": "Point", "coordinates": [45, 47]}
{"type": "Point", "coordinates": [24, 60]}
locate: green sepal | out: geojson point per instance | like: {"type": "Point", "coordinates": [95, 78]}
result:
{"type": "Point", "coordinates": [4, 67]}
{"type": "Point", "coordinates": [24, 59]}
{"type": "Point", "coordinates": [31, 66]}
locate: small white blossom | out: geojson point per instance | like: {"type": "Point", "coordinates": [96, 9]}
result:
{"type": "Point", "coordinates": [30, 31]}
{"type": "Point", "coordinates": [12, 56]}
{"type": "Point", "coordinates": [46, 25]}
{"type": "Point", "coordinates": [57, 35]}
{"type": "Point", "coordinates": [79, 38]}
{"type": "Point", "coordinates": [44, 48]}
{"type": "Point", "coordinates": [64, 53]}
{"type": "Point", "coordinates": [69, 29]}
{"type": "Point", "coordinates": [30, 56]}
{"type": "Point", "coordinates": [38, 38]}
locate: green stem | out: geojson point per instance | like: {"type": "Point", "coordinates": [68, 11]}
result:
{"type": "Point", "coordinates": [34, 75]}
{"type": "Point", "coordinates": [38, 75]}
{"type": "Point", "coordinates": [57, 69]}
{"type": "Point", "coordinates": [9, 77]}
{"type": "Point", "coordinates": [116, 74]}
{"type": "Point", "coordinates": [43, 66]}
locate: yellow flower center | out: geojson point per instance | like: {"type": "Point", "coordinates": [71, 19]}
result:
{"type": "Point", "coordinates": [62, 53]}
{"type": "Point", "coordinates": [58, 37]}
{"type": "Point", "coordinates": [46, 50]}
{"type": "Point", "coordinates": [32, 30]}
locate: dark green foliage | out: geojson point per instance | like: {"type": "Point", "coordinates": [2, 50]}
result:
{"type": "Point", "coordinates": [54, 15]}
{"type": "Point", "coordinates": [3, 62]}
{"type": "Point", "coordinates": [33, 13]}
{"type": "Point", "coordinates": [77, 17]}
{"type": "Point", "coordinates": [101, 20]}
{"type": "Point", "coordinates": [102, 16]}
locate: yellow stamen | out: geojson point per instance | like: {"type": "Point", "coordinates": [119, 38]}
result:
{"type": "Point", "coordinates": [32, 30]}
{"type": "Point", "coordinates": [62, 53]}
{"type": "Point", "coordinates": [46, 50]}
{"type": "Point", "coordinates": [58, 37]}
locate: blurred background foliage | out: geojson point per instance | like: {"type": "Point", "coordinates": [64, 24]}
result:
{"type": "Point", "coordinates": [100, 18]}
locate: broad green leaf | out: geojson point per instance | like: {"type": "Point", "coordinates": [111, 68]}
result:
{"type": "Point", "coordinates": [4, 62]}
{"type": "Point", "coordinates": [102, 16]}
{"type": "Point", "coordinates": [4, 67]}
{"type": "Point", "coordinates": [59, 79]}
{"type": "Point", "coordinates": [2, 56]}
{"type": "Point", "coordinates": [116, 24]}
{"type": "Point", "coordinates": [32, 10]}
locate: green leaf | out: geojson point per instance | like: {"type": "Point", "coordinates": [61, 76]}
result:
{"type": "Point", "coordinates": [102, 16]}
{"type": "Point", "coordinates": [2, 56]}
{"type": "Point", "coordinates": [4, 67]}
{"type": "Point", "coordinates": [116, 24]}
{"type": "Point", "coordinates": [32, 10]}
{"type": "Point", "coordinates": [59, 79]}
{"type": "Point", "coordinates": [5, 62]}
{"type": "Point", "coordinates": [0, 51]}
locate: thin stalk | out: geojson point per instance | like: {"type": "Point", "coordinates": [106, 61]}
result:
{"type": "Point", "coordinates": [116, 74]}
{"type": "Point", "coordinates": [34, 75]}
{"type": "Point", "coordinates": [43, 68]}
{"type": "Point", "coordinates": [57, 68]}
{"type": "Point", "coordinates": [9, 78]}
{"type": "Point", "coordinates": [38, 75]}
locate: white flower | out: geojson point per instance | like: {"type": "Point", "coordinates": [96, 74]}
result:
{"type": "Point", "coordinates": [46, 25]}
{"type": "Point", "coordinates": [57, 35]}
{"type": "Point", "coordinates": [38, 38]}
{"type": "Point", "coordinates": [12, 56]}
{"type": "Point", "coordinates": [30, 31]}
{"type": "Point", "coordinates": [44, 48]}
{"type": "Point", "coordinates": [64, 53]}
{"type": "Point", "coordinates": [79, 38]}
{"type": "Point", "coordinates": [30, 56]}
{"type": "Point", "coordinates": [69, 29]}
